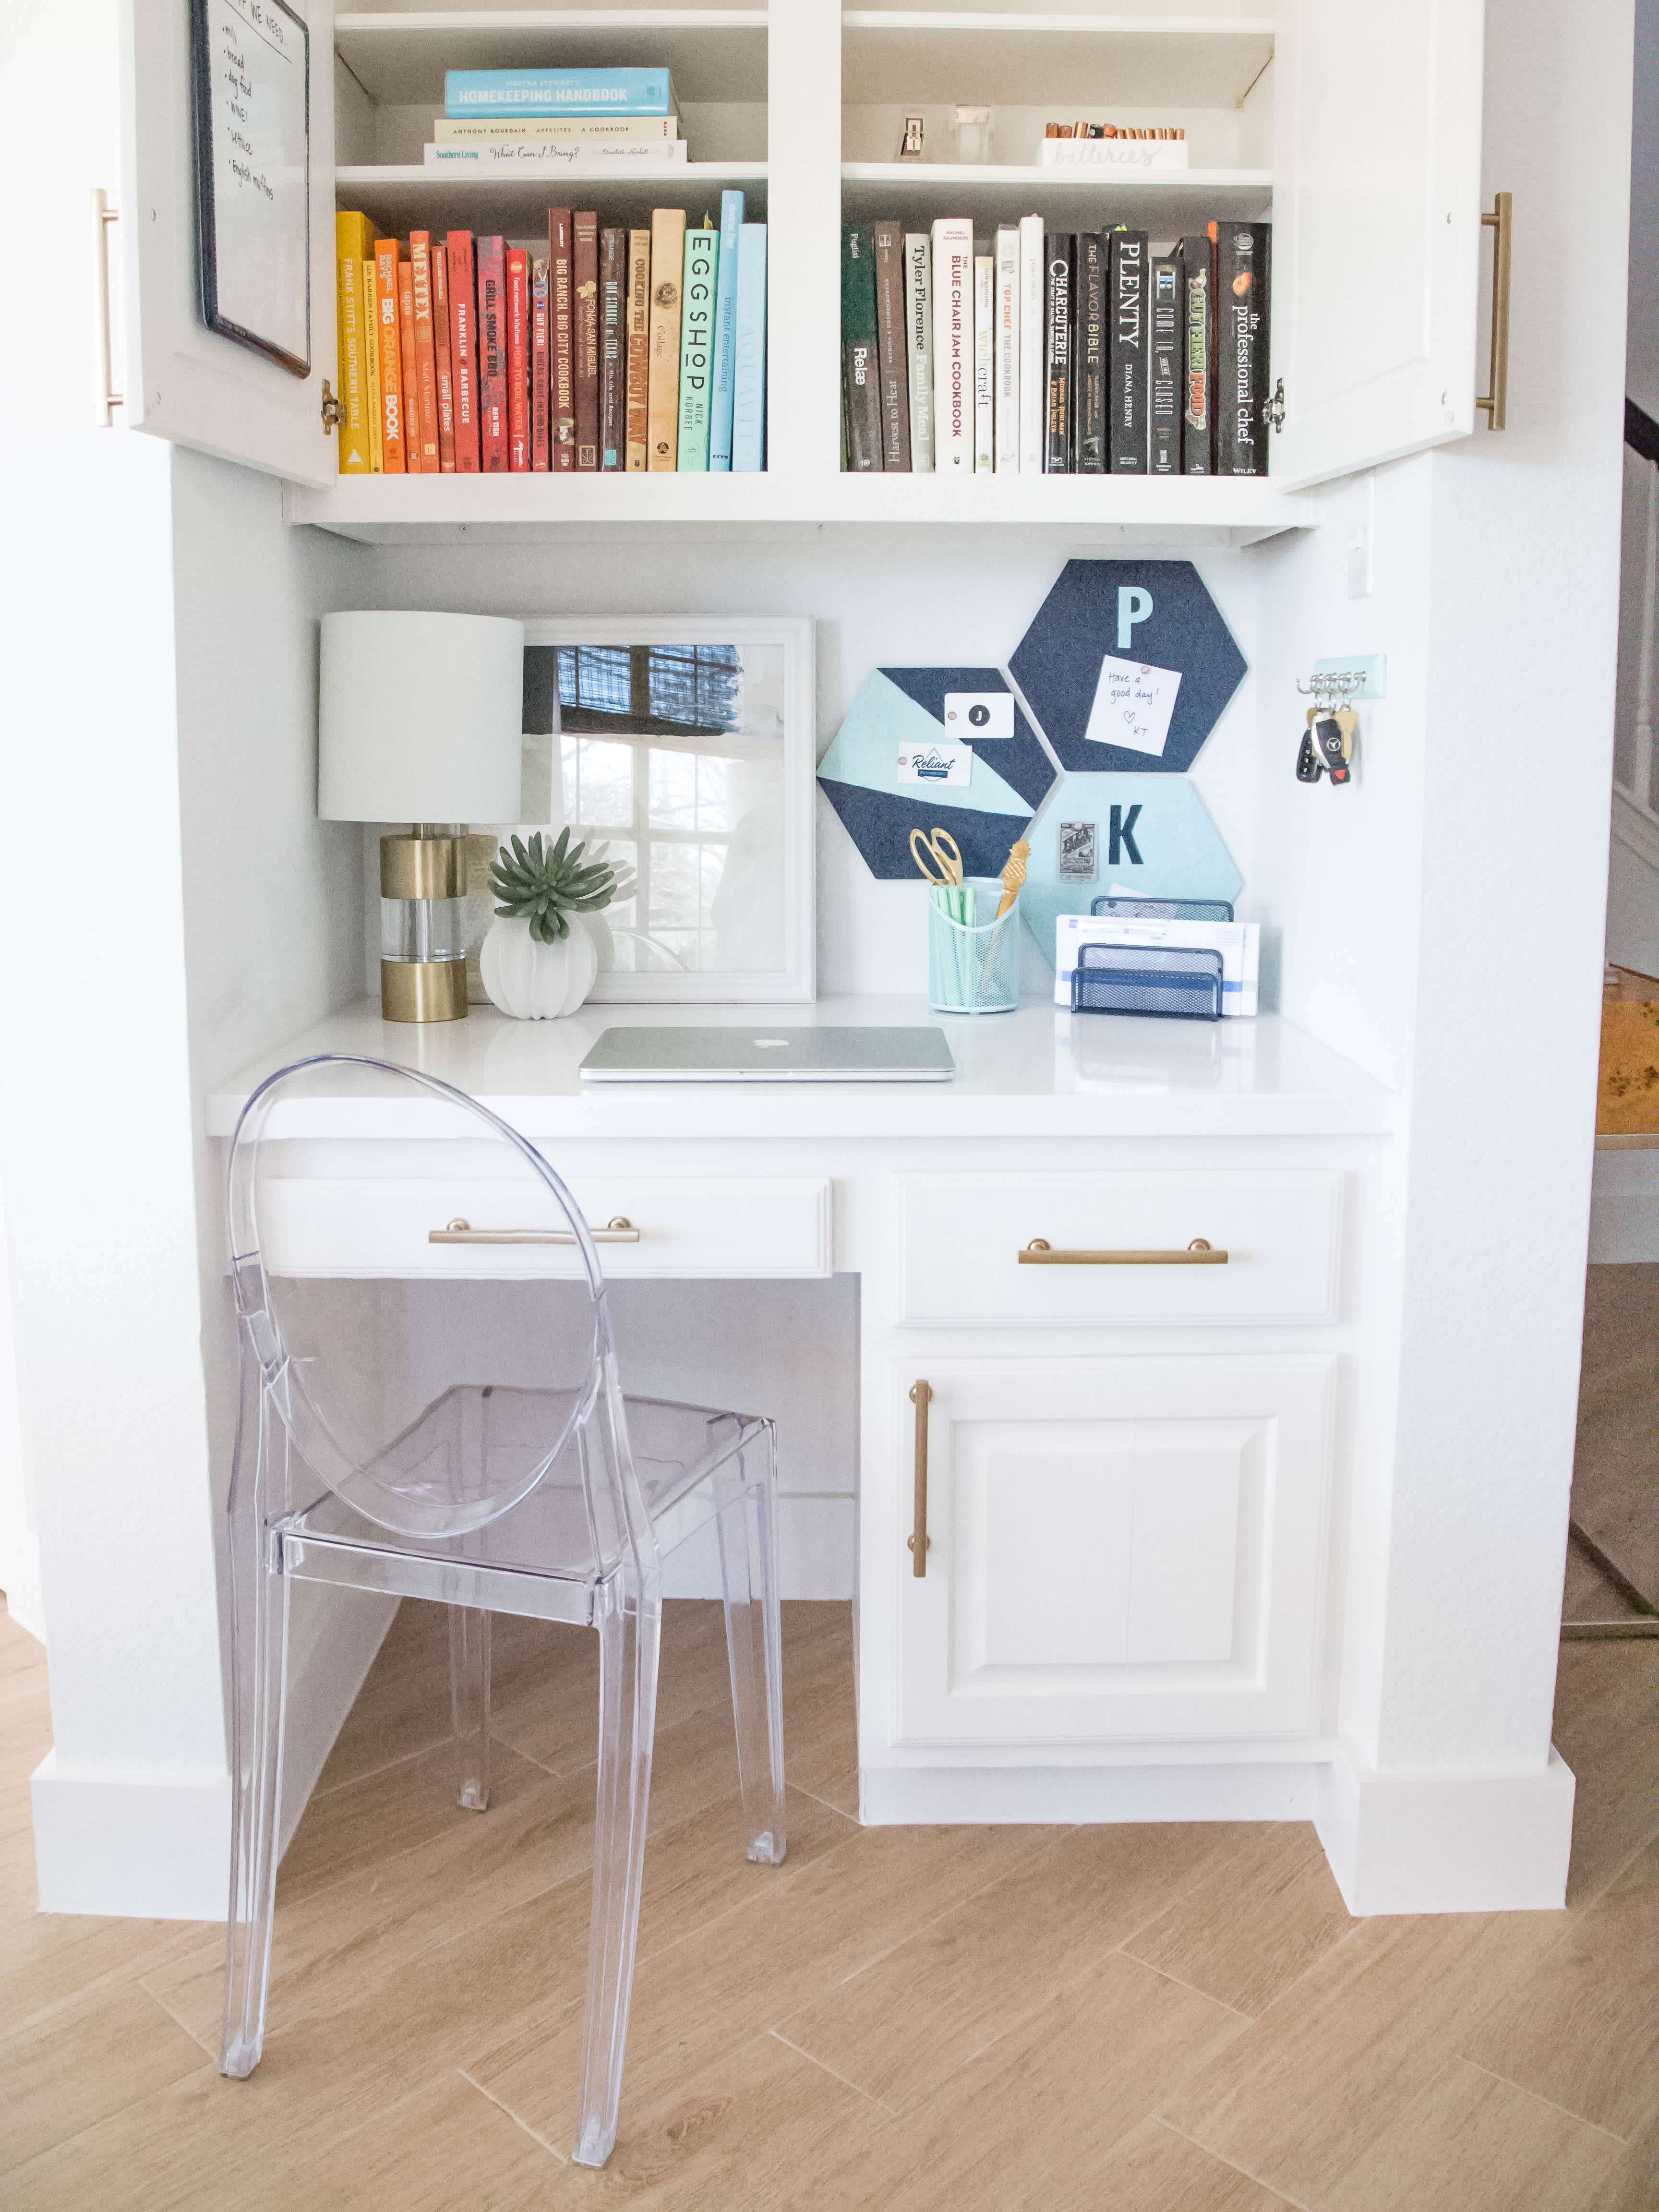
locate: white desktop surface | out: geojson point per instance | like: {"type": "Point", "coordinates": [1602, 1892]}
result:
{"type": "Point", "coordinates": [1036, 1073]}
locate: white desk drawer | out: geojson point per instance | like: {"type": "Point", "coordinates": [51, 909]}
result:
{"type": "Point", "coordinates": [963, 1235]}
{"type": "Point", "coordinates": [687, 1225]}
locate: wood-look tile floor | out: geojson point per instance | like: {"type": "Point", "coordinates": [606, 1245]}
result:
{"type": "Point", "coordinates": [1150, 2019]}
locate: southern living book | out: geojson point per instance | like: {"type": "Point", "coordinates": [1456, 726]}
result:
{"type": "Point", "coordinates": [919, 345]}
{"type": "Point", "coordinates": [984, 359]}
{"type": "Point", "coordinates": [859, 349]}
{"type": "Point", "coordinates": [1164, 407]}
{"type": "Point", "coordinates": [953, 346]}
{"type": "Point", "coordinates": [890, 345]}
{"type": "Point", "coordinates": [613, 348]}
{"type": "Point", "coordinates": [1126, 386]}
{"type": "Point", "coordinates": [1197, 280]}
{"type": "Point", "coordinates": [726, 336]}
{"type": "Point", "coordinates": [663, 383]}
{"type": "Point", "coordinates": [1007, 350]}
{"type": "Point", "coordinates": [561, 343]}
{"type": "Point", "coordinates": [1057, 262]}
{"type": "Point", "coordinates": [1241, 347]}
{"type": "Point", "coordinates": [584, 332]}
{"type": "Point", "coordinates": [558, 91]}
{"type": "Point", "coordinates": [639, 344]}
{"type": "Point", "coordinates": [553, 154]}
{"type": "Point", "coordinates": [698, 346]}
{"type": "Point", "coordinates": [1089, 343]}
{"type": "Point", "coordinates": [492, 356]}
{"type": "Point", "coordinates": [1033, 382]}
{"type": "Point", "coordinates": [484, 130]}
{"type": "Point", "coordinates": [748, 386]}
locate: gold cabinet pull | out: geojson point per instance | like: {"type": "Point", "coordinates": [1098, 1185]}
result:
{"type": "Point", "coordinates": [107, 399]}
{"type": "Point", "coordinates": [1496, 401]}
{"type": "Point", "coordinates": [1039, 1253]}
{"type": "Point", "coordinates": [619, 1230]}
{"type": "Point", "coordinates": [921, 1397]}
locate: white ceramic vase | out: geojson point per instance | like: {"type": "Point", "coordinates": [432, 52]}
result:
{"type": "Point", "coordinates": [537, 983]}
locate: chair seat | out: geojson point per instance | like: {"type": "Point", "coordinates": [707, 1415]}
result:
{"type": "Point", "coordinates": [514, 1564]}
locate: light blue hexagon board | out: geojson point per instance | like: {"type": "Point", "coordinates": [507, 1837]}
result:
{"type": "Point", "coordinates": [859, 774]}
{"type": "Point", "coordinates": [1151, 833]}
{"type": "Point", "coordinates": [1103, 616]}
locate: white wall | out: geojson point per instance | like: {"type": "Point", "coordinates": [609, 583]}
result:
{"type": "Point", "coordinates": [1641, 357]}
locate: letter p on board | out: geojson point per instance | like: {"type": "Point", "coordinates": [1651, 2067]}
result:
{"type": "Point", "coordinates": [1134, 605]}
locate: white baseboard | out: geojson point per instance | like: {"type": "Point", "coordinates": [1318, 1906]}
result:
{"type": "Point", "coordinates": [892, 1796]}
{"type": "Point", "coordinates": [1447, 1842]}
{"type": "Point", "coordinates": [139, 1847]}
{"type": "Point", "coordinates": [134, 1847]}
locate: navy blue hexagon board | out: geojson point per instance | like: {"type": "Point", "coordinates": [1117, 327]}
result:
{"type": "Point", "coordinates": [935, 749]}
{"type": "Point", "coordinates": [1128, 666]}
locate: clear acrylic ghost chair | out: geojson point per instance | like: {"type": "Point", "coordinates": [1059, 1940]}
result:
{"type": "Point", "coordinates": [439, 1420]}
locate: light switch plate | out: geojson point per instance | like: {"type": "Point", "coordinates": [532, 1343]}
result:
{"type": "Point", "coordinates": [1374, 666]}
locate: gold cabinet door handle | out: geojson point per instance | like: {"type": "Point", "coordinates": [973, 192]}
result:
{"type": "Point", "coordinates": [921, 1397]}
{"type": "Point", "coordinates": [619, 1230]}
{"type": "Point", "coordinates": [1039, 1253]}
{"type": "Point", "coordinates": [1496, 401]}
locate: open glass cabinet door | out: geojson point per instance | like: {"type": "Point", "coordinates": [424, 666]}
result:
{"type": "Point", "coordinates": [177, 377]}
{"type": "Point", "coordinates": [1377, 230]}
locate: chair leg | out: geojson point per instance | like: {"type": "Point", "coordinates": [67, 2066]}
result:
{"type": "Point", "coordinates": [258, 1697]}
{"type": "Point", "coordinates": [747, 1492]}
{"type": "Point", "coordinates": [469, 1697]}
{"type": "Point", "coordinates": [628, 1626]}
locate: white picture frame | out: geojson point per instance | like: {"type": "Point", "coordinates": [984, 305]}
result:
{"type": "Point", "coordinates": [794, 980]}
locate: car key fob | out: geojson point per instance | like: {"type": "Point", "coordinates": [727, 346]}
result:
{"type": "Point", "coordinates": [1308, 766]}
{"type": "Point", "coordinates": [1327, 735]}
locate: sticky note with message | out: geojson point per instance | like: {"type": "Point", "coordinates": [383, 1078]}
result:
{"type": "Point", "coordinates": [1133, 705]}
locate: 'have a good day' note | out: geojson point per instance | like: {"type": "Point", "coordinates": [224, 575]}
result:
{"type": "Point", "coordinates": [1133, 705]}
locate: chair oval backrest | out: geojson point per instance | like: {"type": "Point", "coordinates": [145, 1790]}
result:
{"type": "Point", "coordinates": [430, 1382]}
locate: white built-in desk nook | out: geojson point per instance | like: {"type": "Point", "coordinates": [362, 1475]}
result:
{"type": "Point", "coordinates": [1131, 1470]}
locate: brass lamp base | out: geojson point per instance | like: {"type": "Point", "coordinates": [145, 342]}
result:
{"type": "Point", "coordinates": [422, 990]}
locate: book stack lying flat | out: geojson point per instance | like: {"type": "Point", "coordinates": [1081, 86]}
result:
{"type": "Point", "coordinates": [1054, 353]}
{"type": "Point", "coordinates": [603, 349]}
{"type": "Point", "coordinates": [548, 120]}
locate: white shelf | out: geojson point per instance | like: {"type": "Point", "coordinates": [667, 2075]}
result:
{"type": "Point", "coordinates": [451, 199]}
{"type": "Point", "coordinates": [714, 54]}
{"type": "Point", "coordinates": [1175, 510]}
{"type": "Point", "coordinates": [1072, 61]}
{"type": "Point", "coordinates": [1160, 200]}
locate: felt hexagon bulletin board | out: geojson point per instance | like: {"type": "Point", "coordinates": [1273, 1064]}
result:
{"type": "Point", "coordinates": [935, 748]}
{"type": "Point", "coordinates": [1128, 666]}
{"type": "Point", "coordinates": [1151, 835]}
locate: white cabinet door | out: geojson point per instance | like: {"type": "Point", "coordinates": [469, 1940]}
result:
{"type": "Point", "coordinates": [1118, 1550]}
{"type": "Point", "coordinates": [1376, 229]}
{"type": "Point", "coordinates": [179, 378]}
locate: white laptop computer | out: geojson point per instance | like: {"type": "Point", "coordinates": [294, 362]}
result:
{"type": "Point", "coordinates": [765, 1053]}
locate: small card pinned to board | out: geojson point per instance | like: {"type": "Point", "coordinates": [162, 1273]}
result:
{"type": "Point", "coordinates": [978, 716]}
{"type": "Point", "coordinates": [1134, 702]}
{"type": "Point", "coordinates": [941, 762]}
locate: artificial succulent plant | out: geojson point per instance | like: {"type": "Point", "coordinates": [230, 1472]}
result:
{"type": "Point", "coordinates": [545, 885]}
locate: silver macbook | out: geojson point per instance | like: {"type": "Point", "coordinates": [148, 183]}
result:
{"type": "Point", "coordinates": [769, 1055]}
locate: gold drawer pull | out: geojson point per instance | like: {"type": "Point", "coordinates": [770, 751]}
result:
{"type": "Point", "coordinates": [920, 1396]}
{"type": "Point", "coordinates": [1039, 1253]}
{"type": "Point", "coordinates": [1496, 399]}
{"type": "Point", "coordinates": [619, 1230]}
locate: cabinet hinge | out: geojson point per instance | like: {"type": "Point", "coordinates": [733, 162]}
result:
{"type": "Point", "coordinates": [1273, 412]}
{"type": "Point", "coordinates": [333, 412]}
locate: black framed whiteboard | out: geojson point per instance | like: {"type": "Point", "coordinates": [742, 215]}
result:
{"type": "Point", "coordinates": [250, 96]}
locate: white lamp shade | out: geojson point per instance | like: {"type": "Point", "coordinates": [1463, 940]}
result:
{"type": "Point", "coordinates": [420, 718]}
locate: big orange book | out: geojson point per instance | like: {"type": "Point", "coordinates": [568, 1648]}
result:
{"type": "Point", "coordinates": [372, 370]}
{"type": "Point", "coordinates": [663, 383]}
{"type": "Point", "coordinates": [426, 358]}
{"type": "Point", "coordinates": [354, 241]}
{"type": "Point", "coordinates": [389, 346]}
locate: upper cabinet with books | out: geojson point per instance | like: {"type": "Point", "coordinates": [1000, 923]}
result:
{"type": "Point", "coordinates": [1353, 133]}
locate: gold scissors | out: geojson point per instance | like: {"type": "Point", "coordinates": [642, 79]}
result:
{"type": "Point", "coordinates": [938, 849]}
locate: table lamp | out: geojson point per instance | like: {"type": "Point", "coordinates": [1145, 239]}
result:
{"type": "Point", "coordinates": [419, 720]}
